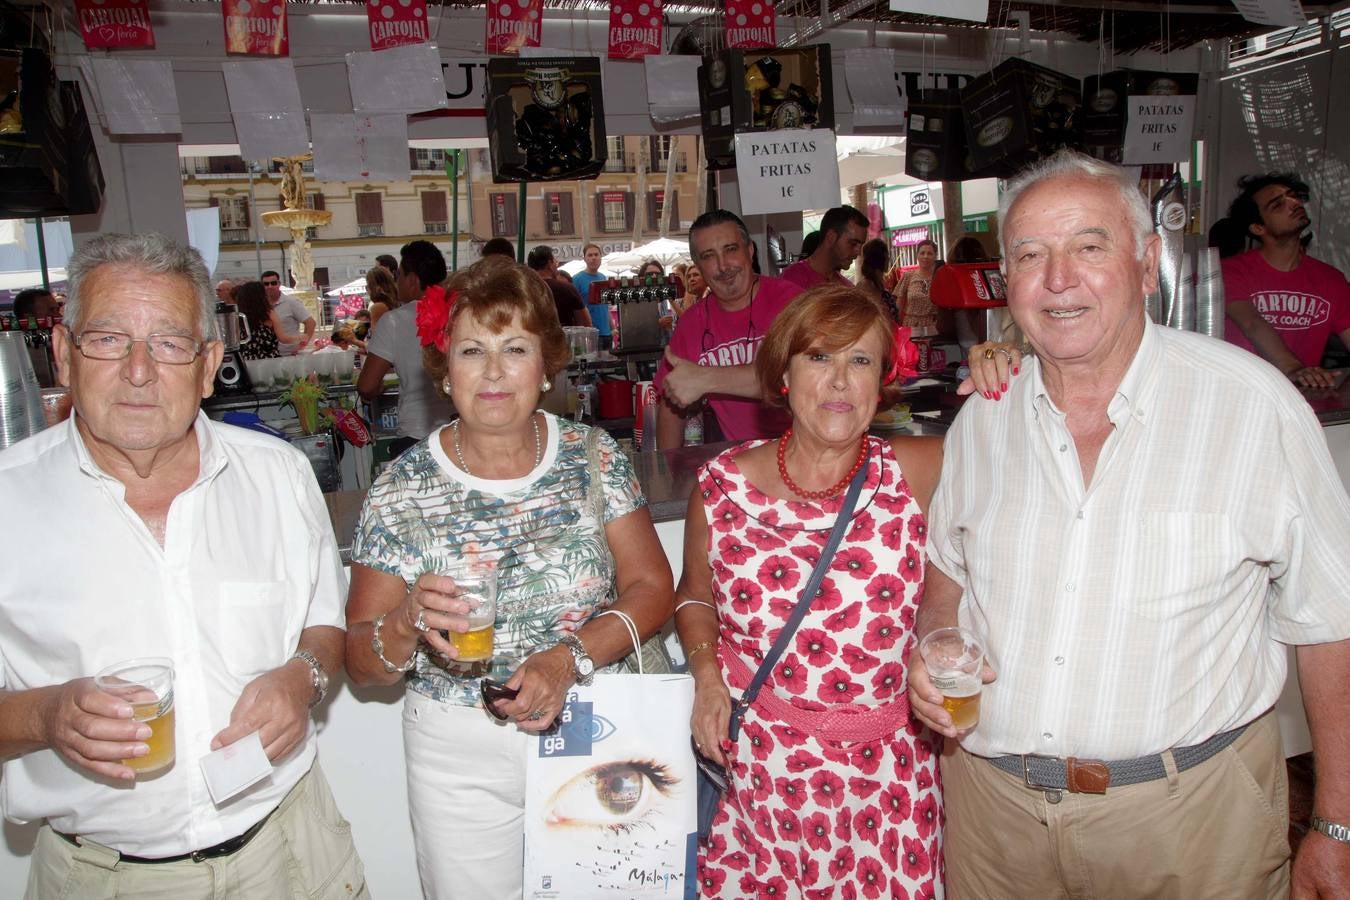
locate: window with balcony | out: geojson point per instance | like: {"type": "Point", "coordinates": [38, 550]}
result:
{"type": "Point", "coordinates": [614, 211]}
{"type": "Point", "coordinates": [369, 213]}
{"type": "Point", "coordinates": [421, 159]}
{"type": "Point", "coordinates": [234, 219]}
{"type": "Point", "coordinates": [503, 214]}
{"type": "Point", "coordinates": [656, 202]}
{"type": "Point", "coordinates": [616, 161]}
{"type": "Point", "coordinates": [558, 213]}
{"type": "Point", "coordinates": [434, 217]}
{"type": "Point", "coordinates": [659, 149]}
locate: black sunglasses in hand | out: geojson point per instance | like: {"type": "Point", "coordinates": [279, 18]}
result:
{"type": "Point", "coordinates": [492, 691]}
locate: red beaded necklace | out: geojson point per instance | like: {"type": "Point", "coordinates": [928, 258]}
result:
{"type": "Point", "coordinates": [831, 491]}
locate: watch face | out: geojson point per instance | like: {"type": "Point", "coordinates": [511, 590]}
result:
{"type": "Point", "coordinates": [585, 666]}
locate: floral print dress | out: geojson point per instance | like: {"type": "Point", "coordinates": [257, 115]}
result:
{"type": "Point", "coordinates": [808, 817]}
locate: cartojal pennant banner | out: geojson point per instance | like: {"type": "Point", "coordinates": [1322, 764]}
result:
{"type": "Point", "coordinates": [256, 27]}
{"type": "Point", "coordinates": [106, 24]}
{"type": "Point", "coordinates": [394, 23]}
{"type": "Point", "coordinates": [749, 24]}
{"type": "Point", "coordinates": [634, 28]}
{"type": "Point", "coordinates": [512, 24]}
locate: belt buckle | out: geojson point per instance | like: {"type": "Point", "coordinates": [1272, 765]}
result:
{"type": "Point", "coordinates": [1026, 772]}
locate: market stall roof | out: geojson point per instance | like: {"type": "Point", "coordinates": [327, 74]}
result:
{"type": "Point", "coordinates": [1128, 25]}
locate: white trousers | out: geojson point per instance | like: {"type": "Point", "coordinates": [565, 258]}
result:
{"type": "Point", "coordinates": [466, 796]}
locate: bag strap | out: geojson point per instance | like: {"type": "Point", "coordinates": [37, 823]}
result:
{"type": "Point", "coordinates": [803, 604]}
{"type": "Point", "coordinates": [627, 621]}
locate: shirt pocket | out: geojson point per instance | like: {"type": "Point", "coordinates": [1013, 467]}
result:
{"type": "Point", "coordinates": [253, 627]}
{"type": "Point", "coordinates": [1183, 566]}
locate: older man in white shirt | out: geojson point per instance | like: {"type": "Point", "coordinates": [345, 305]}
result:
{"type": "Point", "coordinates": [177, 537]}
{"type": "Point", "coordinates": [1138, 529]}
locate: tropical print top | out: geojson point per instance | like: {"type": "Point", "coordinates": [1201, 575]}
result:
{"type": "Point", "coordinates": [554, 571]}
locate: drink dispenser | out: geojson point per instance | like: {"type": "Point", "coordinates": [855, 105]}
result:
{"type": "Point", "coordinates": [975, 289]}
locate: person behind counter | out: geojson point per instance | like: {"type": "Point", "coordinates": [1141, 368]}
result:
{"type": "Point", "coordinates": [182, 538]}
{"type": "Point", "coordinates": [843, 230]}
{"type": "Point", "coordinates": [712, 350]}
{"type": "Point", "coordinates": [599, 312]}
{"type": "Point", "coordinates": [395, 345]}
{"type": "Point", "coordinates": [1138, 594]}
{"type": "Point", "coordinates": [876, 259]}
{"type": "Point", "coordinates": [866, 813]}
{"type": "Point", "coordinates": [507, 483]}
{"type": "Point", "coordinates": [264, 328]}
{"type": "Point", "coordinates": [1285, 303]}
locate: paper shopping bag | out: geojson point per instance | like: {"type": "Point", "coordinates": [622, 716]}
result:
{"type": "Point", "coordinates": [610, 798]}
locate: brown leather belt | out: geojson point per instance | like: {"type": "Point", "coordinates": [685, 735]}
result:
{"type": "Point", "coordinates": [224, 848]}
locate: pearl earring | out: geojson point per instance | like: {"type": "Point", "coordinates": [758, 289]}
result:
{"type": "Point", "coordinates": [445, 385]}
{"type": "Point", "coordinates": [546, 386]}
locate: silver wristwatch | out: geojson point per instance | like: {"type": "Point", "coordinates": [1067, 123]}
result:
{"type": "Point", "coordinates": [1333, 830]}
{"type": "Point", "coordinates": [318, 677]}
{"type": "Point", "coordinates": [583, 667]}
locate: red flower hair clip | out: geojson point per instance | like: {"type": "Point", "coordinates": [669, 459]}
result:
{"type": "Point", "coordinates": [904, 356]}
{"type": "Point", "coordinates": [433, 316]}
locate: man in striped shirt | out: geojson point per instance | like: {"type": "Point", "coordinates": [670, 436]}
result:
{"type": "Point", "coordinates": [1138, 530]}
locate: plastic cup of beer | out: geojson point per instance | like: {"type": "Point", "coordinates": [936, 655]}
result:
{"type": "Point", "coordinates": [955, 658]}
{"type": "Point", "coordinates": [147, 684]}
{"type": "Point", "coordinates": [476, 580]}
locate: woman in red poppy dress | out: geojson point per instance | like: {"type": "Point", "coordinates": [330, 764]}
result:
{"type": "Point", "coordinates": [834, 786]}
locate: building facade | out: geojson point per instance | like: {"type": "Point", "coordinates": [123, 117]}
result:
{"type": "Point", "coordinates": [620, 207]}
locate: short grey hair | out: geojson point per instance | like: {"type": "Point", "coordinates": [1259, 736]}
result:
{"type": "Point", "coordinates": [153, 254]}
{"type": "Point", "coordinates": [1072, 163]}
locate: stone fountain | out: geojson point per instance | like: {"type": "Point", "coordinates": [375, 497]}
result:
{"type": "Point", "coordinates": [297, 215]}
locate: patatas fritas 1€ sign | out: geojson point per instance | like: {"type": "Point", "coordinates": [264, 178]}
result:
{"type": "Point", "coordinates": [787, 170]}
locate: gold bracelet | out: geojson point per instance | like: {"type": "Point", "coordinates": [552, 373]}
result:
{"type": "Point", "coordinates": [706, 645]}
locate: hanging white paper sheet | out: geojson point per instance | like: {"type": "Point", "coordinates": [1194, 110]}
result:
{"type": "Point", "coordinates": [133, 96]}
{"type": "Point", "coordinates": [870, 75]}
{"type": "Point", "coordinates": [398, 80]}
{"type": "Point", "coordinates": [1159, 129]}
{"type": "Point", "coordinates": [672, 87]}
{"type": "Point", "coordinates": [269, 119]}
{"type": "Point", "coordinates": [788, 170]}
{"type": "Point", "coordinates": [1272, 12]}
{"type": "Point", "coordinates": [359, 147]}
{"type": "Point", "coordinates": [970, 10]}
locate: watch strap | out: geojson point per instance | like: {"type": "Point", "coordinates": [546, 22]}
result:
{"type": "Point", "coordinates": [1334, 830]}
{"type": "Point", "coordinates": [578, 651]}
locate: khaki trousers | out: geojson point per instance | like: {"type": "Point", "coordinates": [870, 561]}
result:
{"type": "Point", "coordinates": [304, 851]}
{"type": "Point", "coordinates": [1219, 830]}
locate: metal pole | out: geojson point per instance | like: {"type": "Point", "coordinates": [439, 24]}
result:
{"type": "Point", "coordinates": [452, 172]}
{"type": "Point", "coordinates": [257, 224]}
{"type": "Point", "coordinates": [42, 256]}
{"type": "Point", "coordinates": [520, 226]}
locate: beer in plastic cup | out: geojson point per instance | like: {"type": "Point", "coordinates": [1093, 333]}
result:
{"type": "Point", "coordinates": [955, 658]}
{"type": "Point", "coordinates": [147, 684]}
{"type": "Point", "coordinates": [477, 583]}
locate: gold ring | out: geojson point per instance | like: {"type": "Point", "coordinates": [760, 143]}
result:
{"type": "Point", "coordinates": [989, 353]}
{"type": "Point", "coordinates": [1005, 351]}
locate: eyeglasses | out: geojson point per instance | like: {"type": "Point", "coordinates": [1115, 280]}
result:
{"type": "Point", "coordinates": [170, 349]}
{"type": "Point", "coordinates": [705, 343]}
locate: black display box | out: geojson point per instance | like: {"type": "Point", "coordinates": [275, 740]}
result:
{"type": "Point", "coordinates": [545, 118]}
{"type": "Point", "coordinates": [1106, 111]}
{"type": "Point", "coordinates": [1018, 113]}
{"type": "Point", "coordinates": [935, 137]}
{"type": "Point", "coordinates": [742, 91]}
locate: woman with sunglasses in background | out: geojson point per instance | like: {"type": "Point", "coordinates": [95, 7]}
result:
{"type": "Point", "coordinates": [510, 484]}
{"type": "Point", "coordinates": [816, 799]}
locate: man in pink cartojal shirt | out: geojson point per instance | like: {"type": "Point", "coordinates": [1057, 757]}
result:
{"type": "Point", "coordinates": [1284, 303]}
{"type": "Point", "coordinates": [712, 351]}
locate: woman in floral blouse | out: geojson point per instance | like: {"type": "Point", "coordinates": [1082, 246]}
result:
{"type": "Point", "coordinates": [511, 484]}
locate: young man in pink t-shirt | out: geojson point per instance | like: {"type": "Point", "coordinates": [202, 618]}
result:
{"type": "Point", "coordinates": [1282, 303]}
{"type": "Point", "coordinates": [842, 233]}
